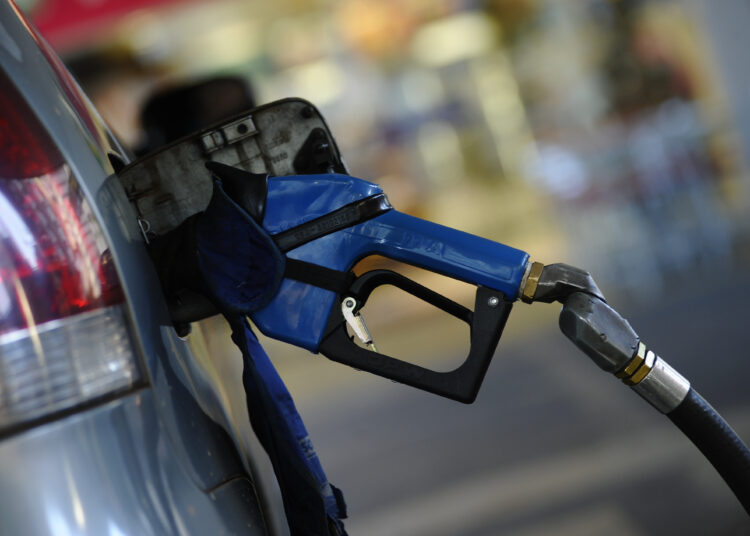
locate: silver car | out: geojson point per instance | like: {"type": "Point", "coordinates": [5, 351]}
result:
{"type": "Point", "coordinates": [109, 423]}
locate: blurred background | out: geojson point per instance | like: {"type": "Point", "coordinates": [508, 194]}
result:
{"type": "Point", "coordinates": [611, 135]}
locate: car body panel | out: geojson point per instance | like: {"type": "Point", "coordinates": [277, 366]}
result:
{"type": "Point", "coordinates": [111, 470]}
{"type": "Point", "coordinates": [196, 432]}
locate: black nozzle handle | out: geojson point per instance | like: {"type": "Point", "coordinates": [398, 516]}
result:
{"type": "Point", "coordinates": [487, 321]}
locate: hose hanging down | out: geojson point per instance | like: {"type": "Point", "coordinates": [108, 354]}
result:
{"type": "Point", "coordinates": [717, 441]}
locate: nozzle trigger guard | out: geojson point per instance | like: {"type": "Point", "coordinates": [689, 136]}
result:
{"type": "Point", "coordinates": [487, 321]}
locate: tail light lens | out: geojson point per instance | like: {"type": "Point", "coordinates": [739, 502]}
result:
{"type": "Point", "coordinates": [64, 338]}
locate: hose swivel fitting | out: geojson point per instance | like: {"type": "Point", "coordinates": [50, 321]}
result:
{"type": "Point", "coordinates": [607, 338]}
{"type": "Point", "coordinates": [555, 282]}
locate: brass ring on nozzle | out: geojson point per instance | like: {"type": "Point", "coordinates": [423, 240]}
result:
{"type": "Point", "coordinates": [532, 281]}
{"type": "Point", "coordinates": [643, 370]}
{"type": "Point", "coordinates": [634, 363]}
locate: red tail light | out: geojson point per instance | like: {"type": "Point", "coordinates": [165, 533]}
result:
{"type": "Point", "coordinates": [63, 337]}
{"type": "Point", "coordinates": [23, 153]}
{"type": "Point", "coordinates": [53, 251]}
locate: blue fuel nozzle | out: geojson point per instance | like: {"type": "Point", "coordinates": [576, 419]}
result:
{"type": "Point", "coordinates": [324, 224]}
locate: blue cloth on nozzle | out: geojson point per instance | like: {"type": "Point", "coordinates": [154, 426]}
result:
{"type": "Point", "coordinates": [242, 269]}
{"type": "Point", "coordinates": [239, 262]}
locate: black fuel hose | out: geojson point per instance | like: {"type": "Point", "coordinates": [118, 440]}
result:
{"type": "Point", "coordinates": [717, 441]}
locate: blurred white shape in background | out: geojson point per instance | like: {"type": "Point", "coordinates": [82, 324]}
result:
{"type": "Point", "coordinates": [422, 90]}
{"type": "Point", "coordinates": [441, 153]}
{"type": "Point", "coordinates": [453, 39]}
{"type": "Point", "coordinates": [557, 170]}
{"type": "Point", "coordinates": [321, 82]}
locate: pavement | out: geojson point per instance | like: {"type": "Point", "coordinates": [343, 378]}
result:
{"type": "Point", "coordinates": [552, 445]}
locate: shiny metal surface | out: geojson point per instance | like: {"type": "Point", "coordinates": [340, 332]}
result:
{"type": "Point", "coordinates": [111, 470]}
{"type": "Point", "coordinates": [611, 343]}
{"type": "Point", "coordinates": [530, 281]}
{"type": "Point", "coordinates": [632, 366]}
{"type": "Point", "coordinates": [643, 370]}
{"type": "Point", "coordinates": [663, 387]}
{"type": "Point", "coordinates": [599, 331]}
{"type": "Point", "coordinates": [558, 281]}
{"type": "Point", "coordinates": [156, 467]}
{"type": "Point", "coordinates": [355, 321]}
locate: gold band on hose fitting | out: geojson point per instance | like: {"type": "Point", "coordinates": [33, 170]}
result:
{"type": "Point", "coordinates": [643, 370]}
{"type": "Point", "coordinates": [638, 367]}
{"type": "Point", "coordinates": [532, 281]}
{"type": "Point", "coordinates": [634, 363]}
